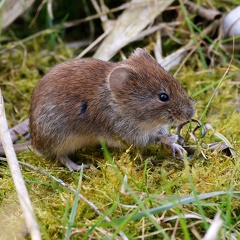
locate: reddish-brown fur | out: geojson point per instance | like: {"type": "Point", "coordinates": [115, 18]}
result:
{"type": "Point", "coordinates": [82, 101]}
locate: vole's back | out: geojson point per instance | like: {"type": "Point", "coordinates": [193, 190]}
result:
{"type": "Point", "coordinates": [65, 103]}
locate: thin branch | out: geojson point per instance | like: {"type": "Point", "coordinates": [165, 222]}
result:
{"type": "Point", "coordinates": [18, 180]}
{"type": "Point", "coordinates": [205, 13]}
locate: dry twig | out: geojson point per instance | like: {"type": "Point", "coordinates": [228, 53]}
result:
{"type": "Point", "coordinates": [13, 9]}
{"type": "Point", "coordinates": [205, 13]}
{"type": "Point", "coordinates": [22, 128]}
{"type": "Point", "coordinates": [212, 232]}
{"type": "Point", "coordinates": [19, 183]}
{"type": "Point", "coordinates": [130, 24]}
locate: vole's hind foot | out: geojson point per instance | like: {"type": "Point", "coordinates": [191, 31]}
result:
{"type": "Point", "coordinates": [66, 161]}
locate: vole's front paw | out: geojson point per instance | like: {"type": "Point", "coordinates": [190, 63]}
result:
{"type": "Point", "coordinates": [170, 141]}
{"type": "Point", "coordinates": [176, 148]}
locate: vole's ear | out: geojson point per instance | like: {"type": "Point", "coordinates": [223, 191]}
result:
{"type": "Point", "coordinates": [141, 53]}
{"type": "Point", "coordinates": [118, 77]}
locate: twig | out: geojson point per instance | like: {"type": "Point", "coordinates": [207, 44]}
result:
{"type": "Point", "coordinates": [206, 13]}
{"type": "Point", "coordinates": [19, 147]}
{"type": "Point", "coordinates": [174, 58]}
{"type": "Point", "coordinates": [14, 9]}
{"type": "Point", "coordinates": [154, 29]}
{"type": "Point", "coordinates": [95, 16]}
{"type": "Point", "coordinates": [141, 35]}
{"type": "Point", "coordinates": [212, 232]}
{"type": "Point", "coordinates": [194, 48]}
{"type": "Point", "coordinates": [93, 44]}
{"type": "Point", "coordinates": [69, 187]}
{"type": "Point", "coordinates": [22, 128]}
{"type": "Point", "coordinates": [130, 25]}
{"type": "Point", "coordinates": [19, 183]}
{"type": "Point", "coordinates": [158, 46]}
{"type": "Point", "coordinates": [103, 18]}
{"type": "Point", "coordinates": [49, 9]}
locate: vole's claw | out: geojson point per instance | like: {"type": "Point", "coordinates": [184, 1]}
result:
{"type": "Point", "coordinates": [176, 148]}
{"type": "Point", "coordinates": [170, 141]}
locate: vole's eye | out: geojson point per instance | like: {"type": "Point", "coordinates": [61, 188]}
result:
{"type": "Point", "coordinates": [163, 97]}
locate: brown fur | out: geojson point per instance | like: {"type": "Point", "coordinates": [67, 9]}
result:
{"type": "Point", "coordinates": [82, 101]}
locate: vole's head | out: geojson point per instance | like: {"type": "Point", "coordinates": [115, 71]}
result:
{"type": "Point", "coordinates": [148, 95]}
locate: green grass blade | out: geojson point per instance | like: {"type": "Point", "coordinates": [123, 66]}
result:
{"type": "Point", "coordinates": [101, 219]}
{"type": "Point", "coordinates": [74, 208]}
{"type": "Point", "coordinates": [182, 200]}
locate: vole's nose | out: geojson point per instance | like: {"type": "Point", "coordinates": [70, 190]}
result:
{"type": "Point", "coordinates": [190, 111]}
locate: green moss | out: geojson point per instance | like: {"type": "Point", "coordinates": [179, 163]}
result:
{"type": "Point", "coordinates": [153, 176]}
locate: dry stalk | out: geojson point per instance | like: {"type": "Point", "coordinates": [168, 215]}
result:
{"type": "Point", "coordinates": [129, 25]}
{"type": "Point", "coordinates": [95, 16]}
{"type": "Point", "coordinates": [22, 128]}
{"type": "Point", "coordinates": [175, 58]}
{"type": "Point", "coordinates": [18, 180]}
{"type": "Point", "coordinates": [206, 13]}
{"type": "Point", "coordinates": [13, 9]}
{"type": "Point", "coordinates": [212, 233]}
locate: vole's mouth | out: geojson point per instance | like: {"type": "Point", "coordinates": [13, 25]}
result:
{"type": "Point", "coordinates": [182, 117]}
{"type": "Point", "coordinates": [177, 121]}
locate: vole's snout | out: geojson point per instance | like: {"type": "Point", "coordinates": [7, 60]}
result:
{"type": "Point", "coordinates": [190, 112]}
{"type": "Point", "coordinates": [186, 111]}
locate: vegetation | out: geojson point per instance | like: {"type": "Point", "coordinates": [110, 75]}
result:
{"type": "Point", "coordinates": [137, 193]}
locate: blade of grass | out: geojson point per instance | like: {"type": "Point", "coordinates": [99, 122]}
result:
{"type": "Point", "coordinates": [183, 224]}
{"type": "Point", "coordinates": [182, 200]}
{"type": "Point", "coordinates": [198, 203]}
{"type": "Point", "coordinates": [202, 90]}
{"type": "Point", "coordinates": [74, 208]}
{"type": "Point", "coordinates": [143, 186]}
{"type": "Point", "coordinates": [100, 220]}
{"type": "Point", "coordinates": [144, 179]}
